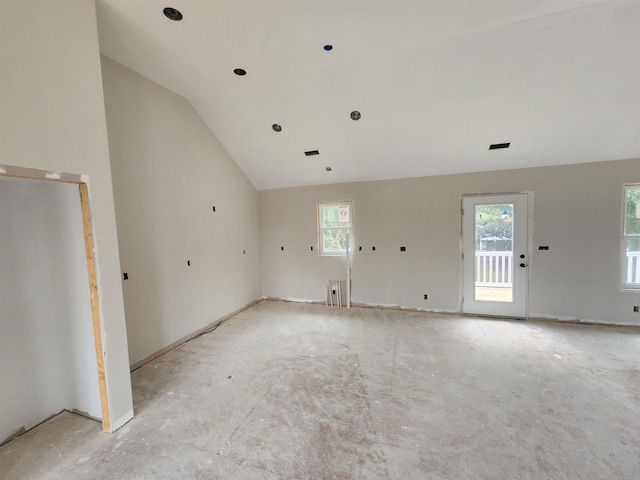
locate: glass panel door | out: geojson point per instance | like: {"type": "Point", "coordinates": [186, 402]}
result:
{"type": "Point", "coordinates": [495, 239]}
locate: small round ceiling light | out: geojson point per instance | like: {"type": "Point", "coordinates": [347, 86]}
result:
{"type": "Point", "coordinates": [172, 14]}
{"type": "Point", "coordinates": [240, 72]}
{"type": "Point", "coordinates": [328, 169]}
{"type": "Point", "coordinates": [355, 115]}
{"type": "Point", "coordinates": [328, 47]}
{"type": "Point", "coordinates": [276, 127]}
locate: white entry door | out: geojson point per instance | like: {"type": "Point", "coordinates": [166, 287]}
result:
{"type": "Point", "coordinates": [495, 254]}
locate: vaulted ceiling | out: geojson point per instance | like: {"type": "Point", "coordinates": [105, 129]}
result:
{"type": "Point", "coordinates": [436, 81]}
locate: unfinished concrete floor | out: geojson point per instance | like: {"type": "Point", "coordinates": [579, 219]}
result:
{"type": "Point", "coordinates": [290, 391]}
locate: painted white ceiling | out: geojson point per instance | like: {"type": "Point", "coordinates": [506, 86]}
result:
{"type": "Point", "coordinates": [436, 81]}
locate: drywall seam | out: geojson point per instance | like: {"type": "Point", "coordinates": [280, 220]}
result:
{"type": "Point", "coordinates": [15, 434]}
{"type": "Point", "coordinates": [212, 326]}
{"type": "Point", "coordinates": [542, 317]}
{"type": "Point", "coordinates": [364, 305]}
{"type": "Point", "coordinates": [536, 317]}
{"type": "Point", "coordinates": [120, 422]}
{"type": "Point", "coordinates": [22, 430]}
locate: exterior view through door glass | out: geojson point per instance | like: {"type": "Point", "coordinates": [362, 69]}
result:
{"type": "Point", "coordinates": [495, 254]}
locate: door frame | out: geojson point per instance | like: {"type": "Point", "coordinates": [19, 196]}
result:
{"type": "Point", "coordinates": [528, 224]}
{"type": "Point", "coordinates": [87, 225]}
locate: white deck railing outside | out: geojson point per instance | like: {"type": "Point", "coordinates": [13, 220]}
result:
{"type": "Point", "coordinates": [495, 269]}
{"type": "Point", "coordinates": [633, 267]}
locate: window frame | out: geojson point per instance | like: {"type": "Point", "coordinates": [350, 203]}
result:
{"type": "Point", "coordinates": [624, 238]}
{"type": "Point", "coordinates": [321, 229]}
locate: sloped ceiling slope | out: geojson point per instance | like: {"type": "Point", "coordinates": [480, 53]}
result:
{"type": "Point", "coordinates": [436, 81]}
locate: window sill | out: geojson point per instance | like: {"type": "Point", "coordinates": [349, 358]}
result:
{"type": "Point", "coordinates": [627, 289]}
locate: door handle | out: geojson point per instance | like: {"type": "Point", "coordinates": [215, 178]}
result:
{"type": "Point", "coordinates": [523, 265]}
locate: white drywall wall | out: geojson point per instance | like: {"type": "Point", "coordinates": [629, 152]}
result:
{"type": "Point", "coordinates": [53, 119]}
{"type": "Point", "coordinates": [169, 171]}
{"type": "Point", "coordinates": [47, 350]}
{"type": "Point", "coordinates": [576, 212]}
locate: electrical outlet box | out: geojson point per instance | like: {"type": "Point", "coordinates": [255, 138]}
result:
{"type": "Point", "coordinates": [636, 308]}
{"type": "Point", "coordinates": [426, 297]}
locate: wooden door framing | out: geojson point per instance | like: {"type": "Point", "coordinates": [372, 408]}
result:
{"type": "Point", "coordinates": [87, 225]}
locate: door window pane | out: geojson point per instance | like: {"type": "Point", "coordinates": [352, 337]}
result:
{"type": "Point", "coordinates": [494, 252]}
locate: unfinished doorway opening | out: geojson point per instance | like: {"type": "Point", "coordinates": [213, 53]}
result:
{"type": "Point", "coordinates": [51, 355]}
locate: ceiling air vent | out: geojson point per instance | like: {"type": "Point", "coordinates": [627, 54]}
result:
{"type": "Point", "coordinates": [496, 146]}
{"type": "Point", "coordinates": [312, 152]}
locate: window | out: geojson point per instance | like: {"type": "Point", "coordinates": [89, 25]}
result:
{"type": "Point", "coordinates": [631, 237]}
{"type": "Point", "coordinates": [335, 220]}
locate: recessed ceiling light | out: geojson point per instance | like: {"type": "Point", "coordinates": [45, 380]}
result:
{"type": "Point", "coordinates": [328, 169]}
{"type": "Point", "coordinates": [328, 47]}
{"type": "Point", "coordinates": [172, 14]}
{"type": "Point", "coordinates": [355, 115]}
{"type": "Point", "coordinates": [276, 127]}
{"type": "Point", "coordinates": [495, 146]}
{"type": "Point", "coordinates": [240, 71]}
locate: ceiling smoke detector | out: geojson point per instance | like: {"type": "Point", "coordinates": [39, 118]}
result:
{"type": "Point", "coordinates": [276, 127]}
{"type": "Point", "coordinates": [355, 115]}
{"type": "Point", "coordinates": [172, 14]}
